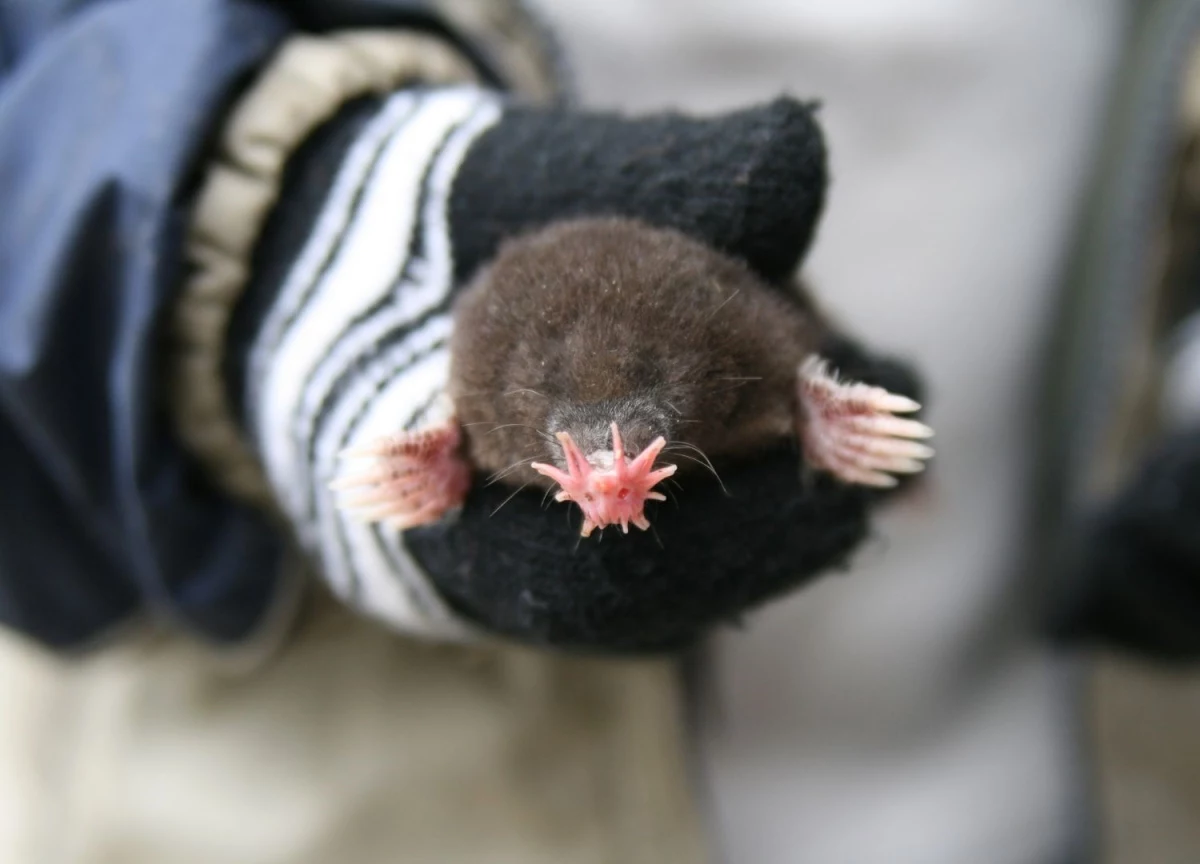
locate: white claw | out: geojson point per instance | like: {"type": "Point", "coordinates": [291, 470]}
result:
{"type": "Point", "coordinates": [376, 496]}
{"type": "Point", "coordinates": [902, 447]}
{"type": "Point", "coordinates": [885, 425]}
{"type": "Point", "coordinates": [880, 447]}
{"type": "Point", "coordinates": [895, 403]}
{"type": "Point", "coordinates": [898, 466]}
{"type": "Point", "coordinates": [864, 475]}
{"type": "Point", "coordinates": [381, 512]}
{"type": "Point", "coordinates": [351, 481]}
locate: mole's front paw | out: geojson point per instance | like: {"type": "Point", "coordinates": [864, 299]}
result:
{"type": "Point", "coordinates": [850, 429]}
{"type": "Point", "coordinates": [414, 478]}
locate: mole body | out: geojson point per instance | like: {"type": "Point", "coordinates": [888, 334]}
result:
{"type": "Point", "coordinates": [600, 356]}
{"type": "Point", "coordinates": [595, 322]}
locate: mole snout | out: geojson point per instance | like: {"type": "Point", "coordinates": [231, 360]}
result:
{"type": "Point", "coordinates": [639, 419]}
{"type": "Point", "coordinates": [607, 460]}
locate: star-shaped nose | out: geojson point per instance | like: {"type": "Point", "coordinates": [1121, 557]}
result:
{"type": "Point", "coordinates": [615, 495]}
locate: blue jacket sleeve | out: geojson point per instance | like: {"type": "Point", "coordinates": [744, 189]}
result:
{"type": "Point", "coordinates": [105, 111]}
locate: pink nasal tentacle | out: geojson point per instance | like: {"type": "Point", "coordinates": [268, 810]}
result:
{"type": "Point", "coordinates": [553, 473]}
{"type": "Point", "coordinates": [577, 465]}
{"type": "Point", "coordinates": [618, 447]}
{"type": "Point", "coordinates": [615, 495]}
{"type": "Point", "coordinates": [646, 458]}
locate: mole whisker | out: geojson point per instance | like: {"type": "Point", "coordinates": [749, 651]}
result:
{"type": "Point", "coordinates": [544, 435]}
{"type": "Point", "coordinates": [524, 390]}
{"type": "Point", "coordinates": [478, 394]}
{"type": "Point", "coordinates": [669, 487]}
{"type": "Point", "coordinates": [724, 303]}
{"type": "Point", "coordinates": [504, 472]}
{"type": "Point", "coordinates": [533, 429]}
{"type": "Point", "coordinates": [515, 493]}
{"type": "Point", "coordinates": [676, 446]}
{"type": "Point", "coordinates": [701, 463]}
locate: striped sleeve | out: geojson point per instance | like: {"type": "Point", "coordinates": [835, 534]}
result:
{"type": "Point", "coordinates": [355, 344]}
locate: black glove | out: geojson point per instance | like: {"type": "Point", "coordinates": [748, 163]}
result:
{"type": "Point", "coordinates": [750, 183]}
{"type": "Point", "coordinates": [1135, 578]}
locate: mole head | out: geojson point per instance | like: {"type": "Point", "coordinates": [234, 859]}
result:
{"type": "Point", "coordinates": [605, 459]}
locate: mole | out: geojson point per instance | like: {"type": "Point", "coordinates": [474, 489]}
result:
{"type": "Point", "coordinates": [594, 358]}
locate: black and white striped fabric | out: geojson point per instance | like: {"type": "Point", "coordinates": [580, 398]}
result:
{"type": "Point", "coordinates": [355, 344]}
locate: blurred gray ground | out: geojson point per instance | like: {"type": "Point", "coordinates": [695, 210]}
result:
{"type": "Point", "coordinates": [1147, 727]}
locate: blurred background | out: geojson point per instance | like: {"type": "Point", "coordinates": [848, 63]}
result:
{"type": "Point", "coordinates": [905, 714]}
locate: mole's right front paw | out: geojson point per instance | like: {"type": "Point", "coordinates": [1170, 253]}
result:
{"type": "Point", "coordinates": [415, 477]}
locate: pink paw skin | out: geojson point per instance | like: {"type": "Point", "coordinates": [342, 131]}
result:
{"type": "Point", "coordinates": [609, 495]}
{"type": "Point", "coordinates": [414, 478]}
{"type": "Point", "coordinates": [851, 430]}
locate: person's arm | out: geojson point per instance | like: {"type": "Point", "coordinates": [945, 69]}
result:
{"type": "Point", "coordinates": [170, 439]}
{"type": "Point", "coordinates": [103, 124]}
{"type": "Point", "coordinates": [109, 113]}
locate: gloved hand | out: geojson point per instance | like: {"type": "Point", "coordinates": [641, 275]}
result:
{"type": "Point", "coordinates": [388, 212]}
{"type": "Point", "coordinates": [1131, 578]}
{"type": "Point", "coordinates": [1134, 577]}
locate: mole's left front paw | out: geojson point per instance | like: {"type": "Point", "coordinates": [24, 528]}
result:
{"type": "Point", "coordinates": [850, 429]}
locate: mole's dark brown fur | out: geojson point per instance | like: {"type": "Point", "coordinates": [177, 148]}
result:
{"type": "Point", "coordinates": [593, 321]}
